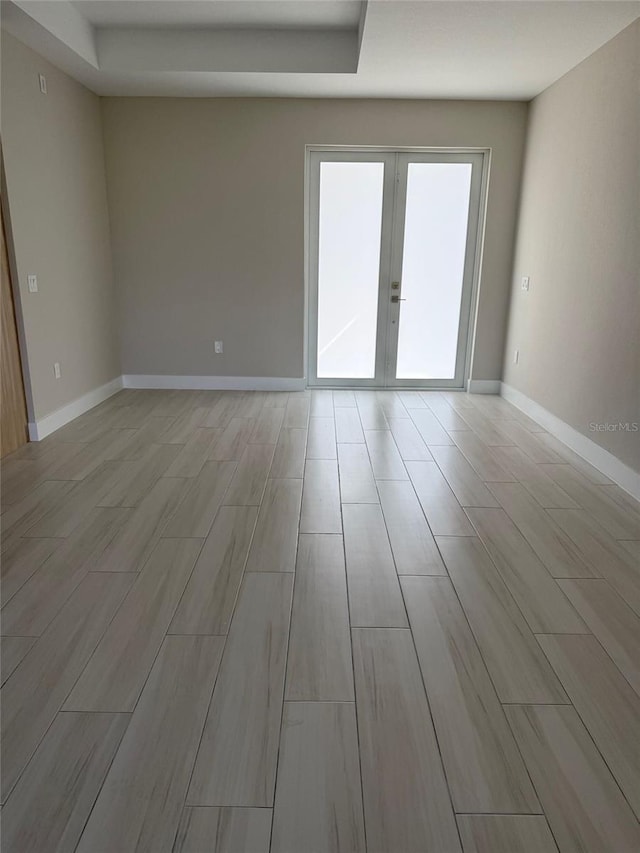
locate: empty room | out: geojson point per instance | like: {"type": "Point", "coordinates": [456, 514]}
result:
{"type": "Point", "coordinates": [320, 426]}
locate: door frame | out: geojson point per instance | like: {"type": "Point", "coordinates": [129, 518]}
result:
{"type": "Point", "coordinates": [475, 244]}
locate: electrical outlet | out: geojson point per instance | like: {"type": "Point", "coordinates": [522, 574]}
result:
{"type": "Point", "coordinates": [516, 356]}
{"type": "Point", "coordinates": [525, 282]}
{"type": "Point", "coordinates": [56, 370]}
{"type": "Point", "coordinates": [32, 281]}
{"type": "Point", "coordinates": [42, 80]}
{"type": "Point", "coordinates": [217, 346]}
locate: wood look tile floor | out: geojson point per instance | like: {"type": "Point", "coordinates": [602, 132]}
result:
{"type": "Point", "coordinates": [317, 622]}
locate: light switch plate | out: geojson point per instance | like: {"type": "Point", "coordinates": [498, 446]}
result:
{"type": "Point", "coordinates": [33, 283]}
{"type": "Point", "coordinates": [525, 282]}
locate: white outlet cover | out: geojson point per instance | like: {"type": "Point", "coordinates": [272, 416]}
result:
{"type": "Point", "coordinates": [32, 281]}
{"type": "Point", "coordinates": [218, 346]}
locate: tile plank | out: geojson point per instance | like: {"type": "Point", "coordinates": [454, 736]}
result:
{"type": "Point", "coordinates": [600, 550]}
{"type": "Point", "coordinates": [267, 426]}
{"type": "Point", "coordinates": [129, 550]}
{"type": "Point", "coordinates": [33, 695]}
{"type": "Point", "coordinates": [533, 477]}
{"type": "Point", "coordinates": [12, 651]}
{"type": "Point", "coordinates": [236, 763]}
{"type": "Point", "coordinates": [321, 443]}
{"type": "Point", "coordinates": [114, 677]}
{"type": "Point", "coordinates": [318, 803]}
{"type": "Point", "coordinates": [194, 515]}
{"type": "Point", "coordinates": [391, 404]}
{"type": "Point", "coordinates": [189, 462]}
{"type": "Point", "coordinates": [108, 446]}
{"type": "Point", "coordinates": [520, 673]}
{"type": "Point", "coordinates": [554, 547]}
{"type": "Point", "coordinates": [21, 558]}
{"type": "Point", "coordinates": [624, 500]}
{"type": "Point", "coordinates": [430, 428]}
{"type": "Point", "coordinates": [386, 462]}
{"type": "Point", "coordinates": [141, 801]}
{"type": "Point", "coordinates": [574, 459]}
{"type": "Point", "coordinates": [414, 548]}
{"type": "Point", "coordinates": [412, 400]}
{"type": "Point", "coordinates": [53, 799]}
{"type": "Point", "coordinates": [480, 457]}
{"type": "Point", "coordinates": [225, 830]}
{"type": "Point", "coordinates": [356, 477]}
{"type": "Point", "coordinates": [491, 833]}
{"type": "Point", "coordinates": [348, 427]}
{"type": "Point", "coordinates": [343, 398]}
{"type": "Point", "coordinates": [320, 511]}
{"type": "Point", "coordinates": [249, 481]}
{"type": "Point", "coordinates": [182, 428]}
{"type": "Point", "coordinates": [529, 442]}
{"type": "Point", "coordinates": [447, 415]}
{"type": "Point", "coordinates": [249, 404]}
{"type": "Point", "coordinates": [36, 603]}
{"type": "Point", "coordinates": [296, 415]}
{"type": "Point", "coordinates": [229, 445]}
{"type": "Point", "coordinates": [632, 546]}
{"type": "Point", "coordinates": [207, 603]}
{"type": "Point", "coordinates": [608, 706]}
{"type": "Point", "coordinates": [480, 757]}
{"type": "Point", "coordinates": [138, 476]}
{"type": "Point", "coordinates": [406, 801]}
{"type": "Point", "coordinates": [542, 602]}
{"type": "Point", "coordinates": [616, 520]}
{"type": "Point", "coordinates": [319, 662]}
{"type": "Point", "coordinates": [585, 808]}
{"type": "Point", "coordinates": [74, 504]}
{"type": "Point", "coordinates": [488, 431]}
{"type": "Point", "coordinates": [444, 514]}
{"type": "Point", "coordinates": [463, 480]}
{"type": "Point", "coordinates": [371, 413]}
{"type": "Point", "coordinates": [408, 440]}
{"type": "Point", "coordinates": [288, 460]}
{"type": "Point", "coordinates": [611, 621]}
{"type": "Point", "coordinates": [276, 535]}
{"type": "Point", "coordinates": [322, 404]}
{"type": "Point", "coordinates": [375, 599]}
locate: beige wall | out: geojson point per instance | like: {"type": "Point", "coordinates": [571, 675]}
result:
{"type": "Point", "coordinates": [207, 209]}
{"type": "Point", "coordinates": [54, 164]}
{"type": "Point", "coordinates": [578, 328]}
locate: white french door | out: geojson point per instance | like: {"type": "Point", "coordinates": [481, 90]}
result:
{"type": "Point", "coordinates": [392, 245]}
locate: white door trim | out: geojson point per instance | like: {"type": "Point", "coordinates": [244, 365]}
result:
{"type": "Point", "coordinates": [476, 245]}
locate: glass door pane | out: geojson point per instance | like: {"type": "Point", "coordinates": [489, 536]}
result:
{"type": "Point", "coordinates": [349, 240]}
{"type": "Point", "coordinates": [433, 269]}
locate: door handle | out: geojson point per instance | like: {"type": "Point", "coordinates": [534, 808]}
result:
{"type": "Point", "coordinates": [395, 298]}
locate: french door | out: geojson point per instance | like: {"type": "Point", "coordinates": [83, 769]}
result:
{"type": "Point", "coordinates": [392, 246]}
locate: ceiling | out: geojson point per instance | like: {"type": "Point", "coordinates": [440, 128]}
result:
{"type": "Point", "coordinates": [265, 14]}
{"type": "Point", "coordinates": [477, 49]}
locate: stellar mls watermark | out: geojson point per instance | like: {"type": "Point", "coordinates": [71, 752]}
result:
{"type": "Point", "coordinates": [617, 426]}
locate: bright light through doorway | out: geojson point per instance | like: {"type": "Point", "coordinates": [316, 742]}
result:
{"type": "Point", "coordinates": [435, 236]}
{"type": "Point", "coordinates": [348, 268]}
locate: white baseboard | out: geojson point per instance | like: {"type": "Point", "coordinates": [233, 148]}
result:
{"type": "Point", "coordinates": [45, 426]}
{"type": "Point", "coordinates": [483, 386]}
{"type": "Point", "coordinates": [622, 474]}
{"type": "Point", "coordinates": [214, 383]}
